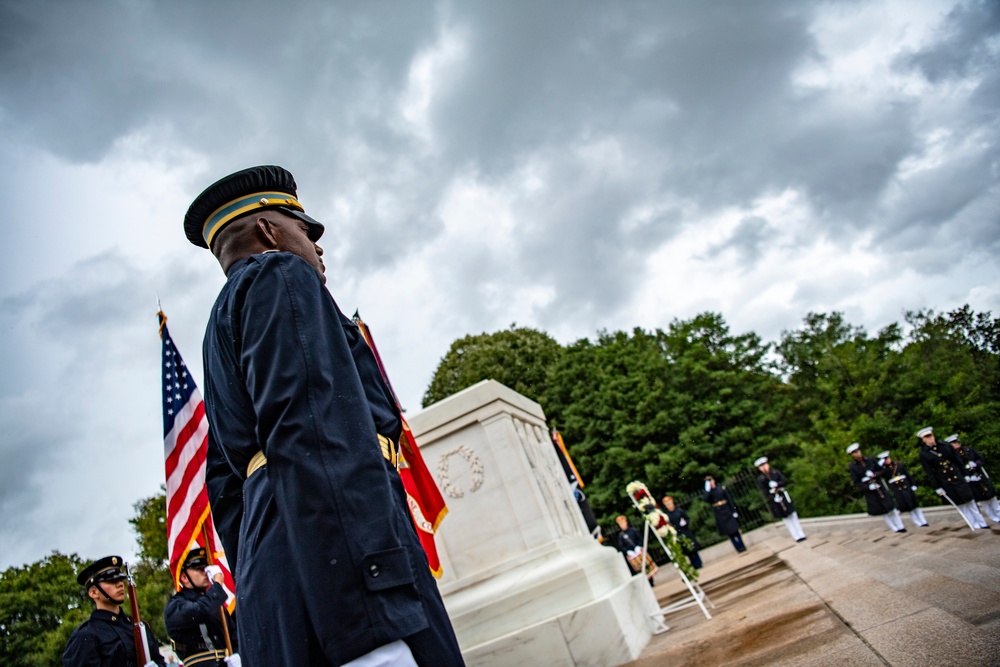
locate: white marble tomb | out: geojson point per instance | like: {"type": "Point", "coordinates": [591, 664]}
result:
{"type": "Point", "coordinates": [523, 581]}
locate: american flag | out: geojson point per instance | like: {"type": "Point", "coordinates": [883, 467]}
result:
{"type": "Point", "coordinates": [185, 445]}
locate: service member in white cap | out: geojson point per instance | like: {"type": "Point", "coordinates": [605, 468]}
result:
{"type": "Point", "coordinates": [867, 476]}
{"type": "Point", "coordinates": [946, 472]}
{"type": "Point", "coordinates": [904, 489]}
{"type": "Point", "coordinates": [772, 484]}
{"type": "Point", "coordinates": [977, 477]}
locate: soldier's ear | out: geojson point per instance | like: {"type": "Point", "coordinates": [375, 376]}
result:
{"type": "Point", "coordinates": [266, 232]}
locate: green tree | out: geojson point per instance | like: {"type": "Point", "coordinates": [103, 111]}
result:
{"type": "Point", "coordinates": [665, 408]}
{"type": "Point", "coordinates": [154, 584]}
{"type": "Point", "coordinates": [40, 606]}
{"type": "Point", "coordinates": [518, 357]}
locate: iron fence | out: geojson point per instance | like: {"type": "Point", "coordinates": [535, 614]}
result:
{"type": "Point", "coordinates": [750, 504]}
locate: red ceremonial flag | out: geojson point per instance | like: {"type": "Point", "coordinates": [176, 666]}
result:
{"type": "Point", "coordinates": [185, 445]}
{"type": "Point", "coordinates": [427, 506]}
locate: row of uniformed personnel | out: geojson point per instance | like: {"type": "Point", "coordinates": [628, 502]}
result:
{"type": "Point", "coordinates": [956, 471]}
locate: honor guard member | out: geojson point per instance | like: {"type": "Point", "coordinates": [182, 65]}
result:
{"type": "Point", "coordinates": [725, 513]}
{"type": "Point", "coordinates": [194, 615]}
{"type": "Point", "coordinates": [302, 449]}
{"type": "Point", "coordinates": [904, 489]}
{"type": "Point", "coordinates": [977, 477]}
{"type": "Point", "coordinates": [867, 476]}
{"type": "Point", "coordinates": [946, 472]}
{"type": "Point", "coordinates": [106, 639]}
{"type": "Point", "coordinates": [681, 522]}
{"type": "Point", "coordinates": [772, 484]}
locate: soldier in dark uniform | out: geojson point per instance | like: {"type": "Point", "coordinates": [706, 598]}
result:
{"type": "Point", "coordinates": [106, 639]}
{"type": "Point", "coordinates": [977, 477]}
{"type": "Point", "coordinates": [866, 474]}
{"type": "Point", "coordinates": [946, 472]}
{"type": "Point", "coordinates": [902, 486]}
{"type": "Point", "coordinates": [681, 522]}
{"type": "Point", "coordinates": [725, 513]}
{"type": "Point", "coordinates": [193, 617]}
{"type": "Point", "coordinates": [302, 455]}
{"type": "Point", "coordinates": [772, 484]}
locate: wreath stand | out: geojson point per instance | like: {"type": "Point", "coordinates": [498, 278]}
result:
{"type": "Point", "coordinates": [697, 595]}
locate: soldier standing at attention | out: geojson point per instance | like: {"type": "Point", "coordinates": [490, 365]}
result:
{"type": "Point", "coordinates": [904, 489]}
{"type": "Point", "coordinates": [772, 484]}
{"type": "Point", "coordinates": [946, 472]}
{"type": "Point", "coordinates": [867, 476]}
{"type": "Point", "coordinates": [194, 615]}
{"type": "Point", "coordinates": [106, 639]}
{"type": "Point", "coordinates": [302, 450]}
{"type": "Point", "coordinates": [725, 513]}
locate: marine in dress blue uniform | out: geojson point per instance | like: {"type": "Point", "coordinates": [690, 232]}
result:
{"type": "Point", "coordinates": [773, 485]}
{"type": "Point", "coordinates": [903, 487]}
{"type": "Point", "coordinates": [867, 475]}
{"type": "Point", "coordinates": [106, 639]}
{"type": "Point", "coordinates": [977, 476]}
{"type": "Point", "coordinates": [946, 472]}
{"type": "Point", "coordinates": [725, 513]}
{"type": "Point", "coordinates": [193, 617]}
{"type": "Point", "coordinates": [301, 467]}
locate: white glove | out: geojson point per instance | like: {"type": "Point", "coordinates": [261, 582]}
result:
{"type": "Point", "coordinates": [213, 570]}
{"type": "Point", "coordinates": [873, 486]}
{"type": "Point", "coordinates": [683, 523]}
{"type": "Point", "coordinates": [735, 514]}
{"type": "Point", "coordinates": [968, 479]}
{"type": "Point", "coordinates": [971, 464]}
{"type": "Point", "coordinates": [708, 486]}
{"type": "Point", "coordinates": [940, 492]}
{"type": "Point", "coordinates": [913, 488]}
{"type": "Point", "coordinates": [772, 484]}
{"type": "Point", "coordinates": [975, 478]}
{"type": "Point", "coordinates": [234, 660]}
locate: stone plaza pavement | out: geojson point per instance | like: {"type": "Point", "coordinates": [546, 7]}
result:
{"type": "Point", "coordinates": [852, 594]}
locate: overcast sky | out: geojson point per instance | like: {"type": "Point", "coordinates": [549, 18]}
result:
{"type": "Point", "coordinates": [569, 166]}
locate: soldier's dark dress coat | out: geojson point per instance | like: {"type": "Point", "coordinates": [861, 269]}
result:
{"type": "Point", "coordinates": [723, 508]}
{"type": "Point", "coordinates": [106, 640]}
{"type": "Point", "coordinates": [982, 489]}
{"type": "Point", "coordinates": [185, 614]}
{"type": "Point", "coordinates": [901, 483]}
{"type": "Point", "coordinates": [945, 470]}
{"type": "Point", "coordinates": [878, 500]}
{"type": "Point", "coordinates": [779, 503]}
{"type": "Point", "coordinates": [328, 565]}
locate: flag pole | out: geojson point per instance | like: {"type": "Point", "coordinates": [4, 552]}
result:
{"type": "Point", "coordinates": [222, 609]}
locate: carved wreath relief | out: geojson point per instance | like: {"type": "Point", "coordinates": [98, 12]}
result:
{"type": "Point", "coordinates": [475, 465]}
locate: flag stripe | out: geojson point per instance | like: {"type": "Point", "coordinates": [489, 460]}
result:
{"type": "Point", "coordinates": [185, 447]}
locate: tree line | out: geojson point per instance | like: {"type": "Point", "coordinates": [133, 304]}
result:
{"type": "Point", "coordinates": [663, 407]}
{"type": "Point", "coordinates": [669, 407]}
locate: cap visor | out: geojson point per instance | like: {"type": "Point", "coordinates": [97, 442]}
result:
{"type": "Point", "coordinates": [316, 228]}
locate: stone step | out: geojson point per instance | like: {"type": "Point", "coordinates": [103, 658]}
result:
{"type": "Point", "coordinates": [903, 613]}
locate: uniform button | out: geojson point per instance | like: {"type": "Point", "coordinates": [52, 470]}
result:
{"type": "Point", "coordinates": [373, 570]}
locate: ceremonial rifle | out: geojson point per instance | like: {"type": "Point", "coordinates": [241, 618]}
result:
{"type": "Point", "coordinates": [222, 609]}
{"type": "Point", "coordinates": [138, 629]}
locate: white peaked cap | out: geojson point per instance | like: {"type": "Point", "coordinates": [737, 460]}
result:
{"type": "Point", "coordinates": [853, 447]}
{"type": "Point", "coordinates": [759, 462]}
{"type": "Point", "coordinates": [924, 431]}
